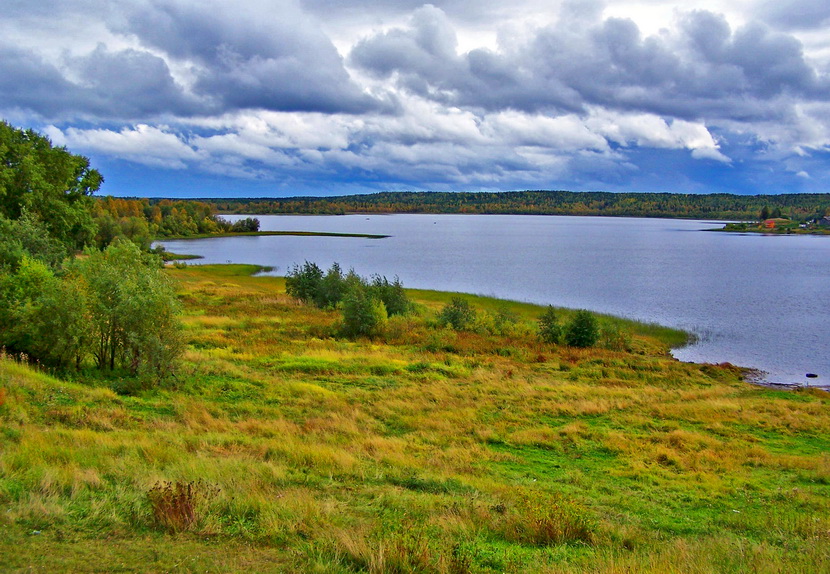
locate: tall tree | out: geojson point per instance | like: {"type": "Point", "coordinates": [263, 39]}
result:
{"type": "Point", "coordinates": [49, 182]}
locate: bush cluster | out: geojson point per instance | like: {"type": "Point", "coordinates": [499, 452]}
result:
{"type": "Point", "coordinates": [583, 330]}
{"type": "Point", "coordinates": [366, 304]}
{"type": "Point", "coordinates": [113, 308]}
{"type": "Point", "coordinates": [460, 315]}
{"type": "Point", "coordinates": [246, 225]}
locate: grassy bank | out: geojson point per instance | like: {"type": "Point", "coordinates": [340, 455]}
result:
{"type": "Point", "coordinates": [280, 448]}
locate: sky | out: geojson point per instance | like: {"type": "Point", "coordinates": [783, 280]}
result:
{"type": "Point", "coordinates": [258, 98]}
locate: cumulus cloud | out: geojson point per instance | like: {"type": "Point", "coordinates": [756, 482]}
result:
{"type": "Point", "coordinates": [702, 69]}
{"type": "Point", "coordinates": [180, 58]}
{"type": "Point", "coordinates": [795, 14]}
{"type": "Point", "coordinates": [266, 55]}
{"type": "Point", "coordinates": [147, 145]}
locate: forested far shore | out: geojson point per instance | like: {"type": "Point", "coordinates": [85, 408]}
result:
{"type": "Point", "coordinates": [141, 220]}
{"type": "Point", "coordinates": [721, 206]}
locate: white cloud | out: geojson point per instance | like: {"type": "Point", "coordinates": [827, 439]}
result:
{"type": "Point", "coordinates": [148, 145]}
{"type": "Point", "coordinates": [568, 132]}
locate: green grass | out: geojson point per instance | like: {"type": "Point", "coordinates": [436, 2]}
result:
{"type": "Point", "coordinates": [425, 450]}
{"type": "Point", "coordinates": [168, 256]}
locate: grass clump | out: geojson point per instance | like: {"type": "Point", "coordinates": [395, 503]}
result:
{"type": "Point", "coordinates": [176, 505]}
{"type": "Point", "coordinates": [545, 521]}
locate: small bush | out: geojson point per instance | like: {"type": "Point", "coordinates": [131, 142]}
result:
{"type": "Point", "coordinates": [392, 295]}
{"type": "Point", "coordinates": [613, 338]}
{"type": "Point", "coordinates": [303, 283]}
{"type": "Point", "coordinates": [583, 330]}
{"type": "Point", "coordinates": [176, 505]}
{"type": "Point", "coordinates": [331, 288]}
{"type": "Point", "coordinates": [550, 331]}
{"type": "Point", "coordinates": [363, 315]}
{"type": "Point", "coordinates": [457, 314]}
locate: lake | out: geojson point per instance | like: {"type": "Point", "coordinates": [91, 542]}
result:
{"type": "Point", "coordinates": [752, 300]}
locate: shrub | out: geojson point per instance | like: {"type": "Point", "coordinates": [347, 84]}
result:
{"type": "Point", "coordinates": [612, 337]}
{"type": "Point", "coordinates": [505, 320]}
{"type": "Point", "coordinates": [331, 288]}
{"type": "Point", "coordinates": [176, 505]}
{"type": "Point", "coordinates": [363, 315]}
{"type": "Point", "coordinates": [392, 294]}
{"type": "Point", "coordinates": [303, 283]}
{"type": "Point", "coordinates": [550, 331]}
{"type": "Point", "coordinates": [583, 330]}
{"type": "Point", "coordinates": [458, 314]}
{"type": "Point", "coordinates": [132, 310]}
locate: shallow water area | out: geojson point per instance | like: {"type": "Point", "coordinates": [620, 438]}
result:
{"type": "Point", "coordinates": [751, 300]}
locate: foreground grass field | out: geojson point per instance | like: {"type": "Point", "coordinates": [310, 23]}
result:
{"type": "Point", "coordinates": [279, 448]}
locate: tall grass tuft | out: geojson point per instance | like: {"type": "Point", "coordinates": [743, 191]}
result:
{"type": "Point", "coordinates": [545, 521]}
{"type": "Point", "coordinates": [176, 505]}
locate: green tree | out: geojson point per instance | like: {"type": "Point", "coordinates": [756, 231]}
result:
{"type": "Point", "coordinates": [49, 182]}
{"type": "Point", "coordinates": [363, 314]}
{"type": "Point", "coordinates": [28, 236]}
{"type": "Point", "coordinates": [331, 288]}
{"type": "Point", "coordinates": [303, 283]}
{"type": "Point", "coordinates": [132, 310]}
{"type": "Point", "coordinates": [19, 292]}
{"type": "Point", "coordinates": [582, 330]}
{"type": "Point", "coordinates": [392, 294]}
{"type": "Point", "coordinates": [458, 314]}
{"type": "Point", "coordinates": [550, 331]}
{"type": "Point", "coordinates": [59, 324]}
{"type": "Point", "coordinates": [248, 224]}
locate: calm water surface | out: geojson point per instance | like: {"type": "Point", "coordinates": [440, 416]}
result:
{"type": "Point", "coordinates": [755, 301]}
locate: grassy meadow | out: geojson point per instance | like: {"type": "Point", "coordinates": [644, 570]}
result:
{"type": "Point", "coordinates": [279, 448]}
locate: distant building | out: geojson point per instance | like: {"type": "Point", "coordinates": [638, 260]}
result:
{"type": "Point", "coordinates": [824, 221]}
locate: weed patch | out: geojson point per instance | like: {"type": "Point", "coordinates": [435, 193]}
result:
{"type": "Point", "coordinates": [176, 505]}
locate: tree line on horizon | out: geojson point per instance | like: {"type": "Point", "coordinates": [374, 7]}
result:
{"type": "Point", "coordinates": [799, 207]}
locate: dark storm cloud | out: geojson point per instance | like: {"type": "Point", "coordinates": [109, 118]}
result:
{"type": "Point", "coordinates": [132, 83]}
{"type": "Point", "coordinates": [27, 82]}
{"type": "Point", "coordinates": [271, 56]}
{"type": "Point", "coordinates": [177, 59]}
{"type": "Point", "coordinates": [705, 69]}
{"type": "Point", "coordinates": [114, 85]}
